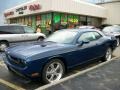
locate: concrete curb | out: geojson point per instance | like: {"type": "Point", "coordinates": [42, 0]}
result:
{"type": "Point", "coordinates": [75, 75]}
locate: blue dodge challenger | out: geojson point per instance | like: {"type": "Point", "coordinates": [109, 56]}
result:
{"type": "Point", "coordinates": [62, 50]}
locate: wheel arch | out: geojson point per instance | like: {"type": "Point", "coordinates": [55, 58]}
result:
{"type": "Point", "coordinates": [41, 37]}
{"type": "Point", "coordinates": [57, 57]}
{"type": "Point", "coordinates": [4, 41]}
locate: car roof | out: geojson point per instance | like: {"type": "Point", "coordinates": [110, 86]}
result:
{"type": "Point", "coordinates": [12, 25]}
{"type": "Point", "coordinates": [80, 30]}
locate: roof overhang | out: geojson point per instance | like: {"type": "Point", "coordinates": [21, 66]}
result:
{"type": "Point", "coordinates": [67, 6]}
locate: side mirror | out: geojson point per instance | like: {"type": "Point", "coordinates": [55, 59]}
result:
{"type": "Point", "coordinates": [86, 41]}
{"type": "Point", "coordinates": [80, 43]}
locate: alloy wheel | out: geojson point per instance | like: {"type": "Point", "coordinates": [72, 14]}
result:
{"type": "Point", "coordinates": [54, 72]}
{"type": "Point", "coordinates": [108, 54]}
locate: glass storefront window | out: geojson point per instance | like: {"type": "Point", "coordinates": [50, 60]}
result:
{"type": "Point", "coordinates": [56, 18]}
{"type": "Point", "coordinates": [22, 21]}
{"type": "Point", "coordinates": [45, 23]}
{"type": "Point", "coordinates": [89, 21]}
{"type": "Point", "coordinates": [83, 20]}
{"type": "Point", "coordinates": [33, 22]}
{"type": "Point", "coordinates": [73, 20]}
{"type": "Point", "coordinates": [38, 20]}
{"type": "Point", "coordinates": [29, 21]}
{"type": "Point", "coordinates": [76, 19]}
{"type": "Point", "coordinates": [56, 21]}
{"type": "Point", "coordinates": [96, 21]}
{"type": "Point", "coordinates": [48, 20]}
{"type": "Point", "coordinates": [70, 19]}
{"type": "Point", "coordinates": [26, 20]}
{"type": "Point", "coordinates": [63, 21]}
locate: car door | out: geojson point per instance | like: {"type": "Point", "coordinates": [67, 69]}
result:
{"type": "Point", "coordinates": [87, 51]}
{"type": "Point", "coordinates": [100, 41]}
{"type": "Point", "coordinates": [14, 33]}
{"type": "Point", "coordinates": [18, 33]}
{"type": "Point", "coordinates": [29, 33]}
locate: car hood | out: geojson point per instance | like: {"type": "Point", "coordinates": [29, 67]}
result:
{"type": "Point", "coordinates": [36, 50]}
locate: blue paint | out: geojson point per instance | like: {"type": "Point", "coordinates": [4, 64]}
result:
{"type": "Point", "coordinates": [31, 58]}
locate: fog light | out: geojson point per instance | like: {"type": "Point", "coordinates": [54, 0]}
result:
{"type": "Point", "coordinates": [35, 74]}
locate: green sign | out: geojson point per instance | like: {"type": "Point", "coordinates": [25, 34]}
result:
{"type": "Point", "coordinates": [56, 18]}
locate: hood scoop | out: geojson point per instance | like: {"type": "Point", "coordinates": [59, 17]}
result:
{"type": "Point", "coordinates": [43, 45]}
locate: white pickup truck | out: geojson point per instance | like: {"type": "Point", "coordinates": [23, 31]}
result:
{"type": "Point", "coordinates": [17, 33]}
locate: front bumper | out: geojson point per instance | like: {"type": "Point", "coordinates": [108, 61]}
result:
{"type": "Point", "coordinates": [24, 72]}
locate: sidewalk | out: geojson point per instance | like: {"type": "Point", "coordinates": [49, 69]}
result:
{"type": "Point", "coordinates": [106, 77]}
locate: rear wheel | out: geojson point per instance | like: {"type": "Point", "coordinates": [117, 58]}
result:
{"type": "Point", "coordinates": [53, 71]}
{"type": "Point", "coordinates": [3, 45]}
{"type": "Point", "coordinates": [108, 55]}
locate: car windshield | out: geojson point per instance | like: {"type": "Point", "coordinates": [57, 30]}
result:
{"type": "Point", "coordinates": [28, 29]}
{"type": "Point", "coordinates": [112, 29]}
{"type": "Point", "coordinates": [65, 37]}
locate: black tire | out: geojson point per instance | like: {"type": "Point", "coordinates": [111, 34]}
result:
{"type": "Point", "coordinates": [44, 75]}
{"type": "Point", "coordinates": [106, 57]}
{"type": "Point", "coordinates": [5, 44]}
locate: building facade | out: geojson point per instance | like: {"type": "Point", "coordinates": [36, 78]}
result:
{"type": "Point", "coordinates": [56, 14]}
{"type": "Point", "coordinates": [113, 12]}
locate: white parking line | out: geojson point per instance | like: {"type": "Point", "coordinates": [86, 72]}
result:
{"type": "Point", "coordinates": [15, 87]}
{"type": "Point", "coordinates": [74, 75]}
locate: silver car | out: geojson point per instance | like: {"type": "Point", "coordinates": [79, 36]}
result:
{"type": "Point", "coordinates": [17, 33]}
{"type": "Point", "coordinates": [113, 31]}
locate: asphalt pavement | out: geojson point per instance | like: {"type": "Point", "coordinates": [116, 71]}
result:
{"type": "Point", "coordinates": [106, 77]}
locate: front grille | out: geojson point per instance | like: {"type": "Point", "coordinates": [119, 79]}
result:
{"type": "Point", "coordinates": [15, 61]}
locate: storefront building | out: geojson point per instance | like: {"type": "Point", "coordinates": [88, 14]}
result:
{"type": "Point", "coordinates": [55, 14]}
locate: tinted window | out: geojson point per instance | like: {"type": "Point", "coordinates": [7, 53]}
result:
{"type": "Point", "coordinates": [4, 29]}
{"type": "Point", "coordinates": [88, 36]}
{"type": "Point", "coordinates": [12, 29]}
{"type": "Point", "coordinates": [16, 29]}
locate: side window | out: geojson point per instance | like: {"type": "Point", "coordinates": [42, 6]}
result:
{"type": "Point", "coordinates": [88, 36]}
{"type": "Point", "coordinates": [16, 29]}
{"type": "Point", "coordinates": [4, 29]}
{"type": "Point", "coordinates": [28, 29]}
{"type": "Point", "coordinates": [97, 35]}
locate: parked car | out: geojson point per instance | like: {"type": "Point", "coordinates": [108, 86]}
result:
{"type": "Point", "coordinates": [113, 31]}
{"type": "Point", "coordinates": [17, 33]}
{"type": "Point", "coordinates": [63, 50]}
{"type": "Point", "coordinates": [87, 27]}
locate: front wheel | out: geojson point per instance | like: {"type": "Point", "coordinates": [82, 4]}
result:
{"type": "Point", "coordinates": [108, 55]}
{"type": "Point", "coordinates": [53, 71]}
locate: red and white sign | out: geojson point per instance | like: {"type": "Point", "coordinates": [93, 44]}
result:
{"type": "Point", "coordinates": [34, 7]}
{"type": "Point", "coordinates": [9, 14]}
